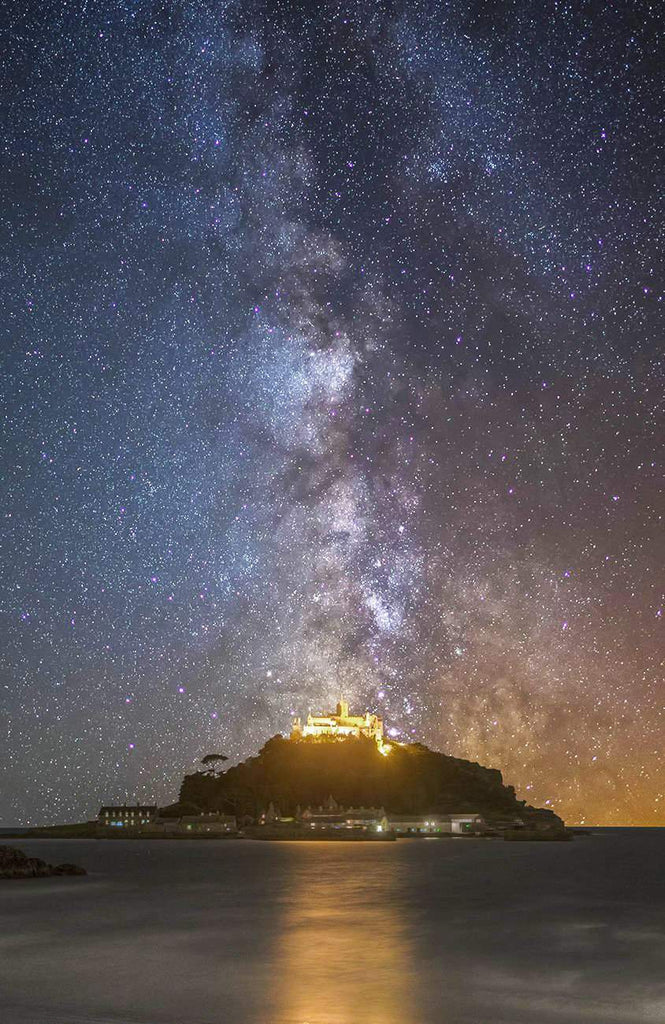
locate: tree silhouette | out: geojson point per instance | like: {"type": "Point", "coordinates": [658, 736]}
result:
{"type": "Point", "coordinates": [213, 763]}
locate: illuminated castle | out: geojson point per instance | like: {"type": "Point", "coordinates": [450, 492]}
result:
{"type": "Point", "coordinates": [340, 725]}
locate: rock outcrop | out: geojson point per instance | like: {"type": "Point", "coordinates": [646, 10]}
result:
{"type": "Point", "coordinates": [16, 864]}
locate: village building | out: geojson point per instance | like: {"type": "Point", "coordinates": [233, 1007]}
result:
{"type": "Point", "coordinates": [433, 824]}
{"type": "Point", "coordinates": [122, 815]}
{"type": "Point", "coordinates": [217, 824]}
{"type": "Point", "coordinates": [273, 816]}
{"type": "Point", "coordinates": [331, 817]}
{"type": "Point", "coordinates": [323, 820]}
{"type": "Point", "coordinates": [369, 819]}
{"type": "Point", "coordinates": [146, 818]}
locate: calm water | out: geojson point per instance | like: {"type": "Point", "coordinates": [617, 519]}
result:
{"type": "Point", "coordinates": [452, 932]}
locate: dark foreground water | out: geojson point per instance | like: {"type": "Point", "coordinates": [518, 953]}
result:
{"type": "Point", "coordinates": [452, 932]}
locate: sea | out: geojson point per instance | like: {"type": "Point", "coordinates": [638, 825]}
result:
{"type": "Point", "coordinates": [428, 931]}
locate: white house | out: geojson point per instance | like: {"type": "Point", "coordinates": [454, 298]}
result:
{"type": "Point", "coordinates": [436, 824]}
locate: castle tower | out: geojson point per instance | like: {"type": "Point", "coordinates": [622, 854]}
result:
{"type": "Point", "coordinates": [343, 708]}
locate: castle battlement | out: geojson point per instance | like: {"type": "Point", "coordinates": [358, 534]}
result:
{"type": "Point", "coordinates": [340, 725]}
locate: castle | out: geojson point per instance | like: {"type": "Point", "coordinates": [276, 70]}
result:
{"type": "Point", "coordinates": [340, 725]}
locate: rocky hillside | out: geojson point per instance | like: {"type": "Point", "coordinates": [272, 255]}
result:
{"type": "Point", "coordinates": [412, 780]}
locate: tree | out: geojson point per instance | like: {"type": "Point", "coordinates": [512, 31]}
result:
{"type": "Point", "coordinates": [213, 763]}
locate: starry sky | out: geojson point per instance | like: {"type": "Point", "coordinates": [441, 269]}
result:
{"type": "Point", "coordinates": [332, 346]}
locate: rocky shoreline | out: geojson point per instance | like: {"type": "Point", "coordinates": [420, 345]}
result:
{"type": "Point", "coordinates": [16, 864]}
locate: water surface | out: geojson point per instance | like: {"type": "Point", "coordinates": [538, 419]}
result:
{"type": "Point", "coordinates": [420, 932]}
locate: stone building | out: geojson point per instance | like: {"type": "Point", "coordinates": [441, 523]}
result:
{"type": "Point", "coordinates": [436, 824]}
{"type": "Point", "coordinates": [340, 725]}
{"type": "Point", "coordinates": [217, 824]}
{"type": "Point", "coordinates": [367, 819]}
{"type": "Point", "coordinates": [129, 815]}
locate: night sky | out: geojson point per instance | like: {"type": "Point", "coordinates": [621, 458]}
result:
{"type": "Point", "coordinates": [331, 343]}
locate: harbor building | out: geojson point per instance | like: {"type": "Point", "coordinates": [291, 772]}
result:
{"type": "Point", "coordinates": [436, 824]}
{"type": "Point", "coordinates": [126, 815]}
{"type": "Point", "coordinates": [365, 819]}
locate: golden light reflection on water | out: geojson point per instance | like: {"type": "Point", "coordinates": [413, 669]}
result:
{"type": "Point", "coordinates": [343, 956]}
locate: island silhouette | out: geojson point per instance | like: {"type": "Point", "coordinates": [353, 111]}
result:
{"type": "Point", "coordinates": [296, 773]}
{"type": "Point", "coordinates": [335, 777]}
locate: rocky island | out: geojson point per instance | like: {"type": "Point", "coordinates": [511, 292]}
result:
{"type": "Point", "coordinates": [409, 779]}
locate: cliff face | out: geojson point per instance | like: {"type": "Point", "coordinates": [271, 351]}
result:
{"type": "Point", "coordinates": [411, 780]}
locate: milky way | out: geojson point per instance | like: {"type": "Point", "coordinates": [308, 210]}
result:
{"type": "Point", "coordinates": [332, 338]}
